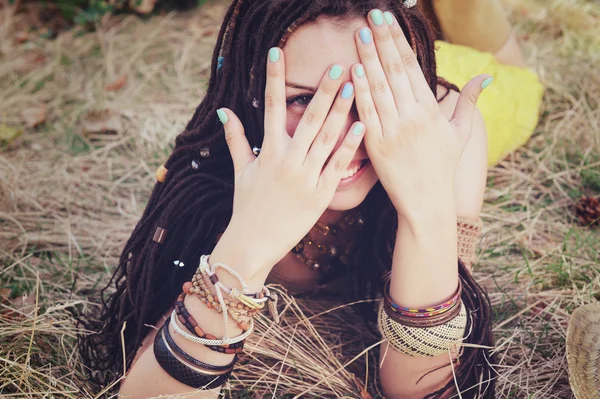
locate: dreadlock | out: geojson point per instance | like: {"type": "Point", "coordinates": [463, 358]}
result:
{"type": "Point", "coordinates": [194, 203]}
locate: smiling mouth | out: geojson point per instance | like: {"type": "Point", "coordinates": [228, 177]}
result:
{"type": "Point", "coordinates": [353, 169]}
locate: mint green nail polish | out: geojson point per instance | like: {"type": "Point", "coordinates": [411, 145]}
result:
{"type": "Point", "coordinates": [377, 17]}
{"type": "Point", "coordinates": [358, 129]}
{"type": "Point", "coordinates": [389, 18]}
{"type": "Point", "coordinates": [360, 71]}
{"type": "Point", "coordinates": [222, 116]}
{"type": "Point", "coordinates": [335, 72]}
{"type": "Point", "coordinates": [274, 54]}
{"type": "Point", "coordinates": [486, 82]}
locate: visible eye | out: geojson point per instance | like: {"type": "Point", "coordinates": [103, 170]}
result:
{"type": "Point", "coordinates": [300, 102]}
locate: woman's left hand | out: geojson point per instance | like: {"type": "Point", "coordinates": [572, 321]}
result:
{"type": "Point", "coordinates": [413, 147]}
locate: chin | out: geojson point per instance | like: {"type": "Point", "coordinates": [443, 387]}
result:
{"type": "Point", "coordinates": [351, 196]}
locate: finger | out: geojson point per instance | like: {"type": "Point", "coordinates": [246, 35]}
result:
{"type": "Point", "coordinates": [239, 148]}
{"type": "Point", "coordinates": [380, 90]}
{"type": "Point", "coordinates": [275, 106]}
{"type": "Point", "coordinates": [365, 106]}
{"type": "Point", "coordinates": [328, 136]}
{"type": "Point", "coordinates": [420, 88]}
{"type": "Point", "coordinates": [316, 112]}
{"type": "Point", "coordinates": [389, 57]}
{"type": "Point", "coordinates": [341, 159]}
{"type": "Point", "coordinates": [467, 103]}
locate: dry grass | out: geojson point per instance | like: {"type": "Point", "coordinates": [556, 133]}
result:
{"type": "Point", "coordinates": [69, 198]}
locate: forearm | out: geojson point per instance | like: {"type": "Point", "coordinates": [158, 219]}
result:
{"type": "Point", "coordinates": [146, 377]}
{"type": "Point", "coordinates": [424, 273]}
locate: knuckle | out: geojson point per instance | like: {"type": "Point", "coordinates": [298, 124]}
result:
{"type": "Point", "coordinates": [473, 98]}
{"type": "Point", "coordinates": [272, 71]}
{"type": "Point", "coordinates": [350, 145]}
{"type": "Point", "coordinates": [383, 34]}
{"type": "Point", "coordinates": [230, 138]}
{"type": "Point", "coordinates": [395, 68]}
{"type": "Point", "coordinates": [340, 107]}
{"type": "Point", "coordinates": [396, 31]}
{"type": "Point", "coordinates": [409, 60]}
{"type": "Point", "coordinates": [271, 102]}
{"type": "Point", "coordinates": [309, 118]}
{"type": "Point", "coordinates": [369, 111]}
{"type": "Point", "coordinates": [339, 166]}
{"type": "Point", "coordinates": [324, 138]}
{"type": "Point", "coordinates": [328, 88]}
{"type": "Point", "coordinates": [378, 87]}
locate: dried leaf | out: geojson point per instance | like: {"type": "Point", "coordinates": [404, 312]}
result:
{"type": "Point", "coordinates": [117, 84]}
{"type": "Point", "coordinates": [34, 115]}
{"type": "Point", "coordinates": [8, 134]}
{"type": "Point", "coordinates": [101, 121]}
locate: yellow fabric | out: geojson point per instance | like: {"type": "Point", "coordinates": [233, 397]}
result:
{"type": "Point", "coordinates": [510, 105]}
{"type": "Point", "coordinates": [479, 24]}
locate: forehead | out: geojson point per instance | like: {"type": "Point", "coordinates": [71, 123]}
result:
{"type": "Point", "coordinates": [313, 47]}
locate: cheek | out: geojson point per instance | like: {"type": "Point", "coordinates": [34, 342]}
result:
{"type": "Point", "coordinates": [292, 120]}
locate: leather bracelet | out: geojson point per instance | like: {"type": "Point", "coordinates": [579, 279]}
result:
{"type": "Point", "coordinates": [189, 358]}
{"type": "Point", "coordinates": [183, 372]}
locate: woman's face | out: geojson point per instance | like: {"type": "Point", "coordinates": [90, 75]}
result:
{"type": "Point", "coordinates": [309, 52]}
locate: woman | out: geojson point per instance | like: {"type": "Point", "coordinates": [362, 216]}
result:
{"type": "Point", "coordinates": [341, 110]}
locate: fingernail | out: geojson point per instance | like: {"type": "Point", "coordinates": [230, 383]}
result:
{"type": "Point", "coordinates": [389, 17]}
{"type": "Point", "coordinates": [358, 129]}
{"type": "Point", "coordinates": [274, 54]}
{"type": "Point", "coordinates": [377, 17]}
{"type": "Point", "coordinates": [335, 72]}
{"type": "Point", "coordinates": [365, 35]}
{"type": "Point", "coordinates": [486, 82]}
{"type": "Point", "coordinates": [222, 116]}
{"type": "Point", "coordinates": [360, 71]}
{"type": "Point", "coordinates": [347, 90]}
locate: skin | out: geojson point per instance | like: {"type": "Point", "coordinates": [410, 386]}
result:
{"type": "Point", "coordinates": [313, 156]}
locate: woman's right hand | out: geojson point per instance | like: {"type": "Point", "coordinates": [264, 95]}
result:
{"type": "Point", "coordinates": [282, 193]}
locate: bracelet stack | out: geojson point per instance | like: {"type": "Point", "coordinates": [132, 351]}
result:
{"type": "Point", "coordinates": [423, 332]}
{"type": "Point", "coordinates": [239, 304]}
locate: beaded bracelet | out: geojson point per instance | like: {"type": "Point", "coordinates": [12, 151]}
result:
{"type": "Point", "coordinates": [422, 312]}
{"type": "Point", "coordinates": [192, 326]}
{"type": "Point", "coordinates": [198, 340]}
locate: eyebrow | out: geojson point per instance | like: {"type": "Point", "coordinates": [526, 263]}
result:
{"type": "Point", "coordinates": [301, 87]}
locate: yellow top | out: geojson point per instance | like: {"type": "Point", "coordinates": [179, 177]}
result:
{"type": "Point", "coordinates": [510, 106]}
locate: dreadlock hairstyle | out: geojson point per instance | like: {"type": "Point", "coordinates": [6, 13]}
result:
{"type": "Point", "coordinates": [194, 203]}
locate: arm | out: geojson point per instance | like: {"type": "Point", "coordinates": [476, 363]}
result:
{"type": "Point", "coordinates": [270, 190]}
{"type": "Point", "coordinates": [426, 250]}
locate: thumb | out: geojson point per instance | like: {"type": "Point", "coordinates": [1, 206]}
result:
{"type": "Point", "coordinates": [239, 148]}
{"type": "Point", "coordinates": [467, 103]}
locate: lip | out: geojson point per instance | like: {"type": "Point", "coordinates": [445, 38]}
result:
{"type": "Point", "coordinates": [350, 180]}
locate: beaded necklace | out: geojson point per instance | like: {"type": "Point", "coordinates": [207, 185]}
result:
{"type": "Point", "coordinates": [332, 259]}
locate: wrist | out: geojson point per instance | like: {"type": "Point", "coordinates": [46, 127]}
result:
{"type": "Point", "coordinates": [238, 254]}
{"type": "Point", "coordinates": [442, 211]}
